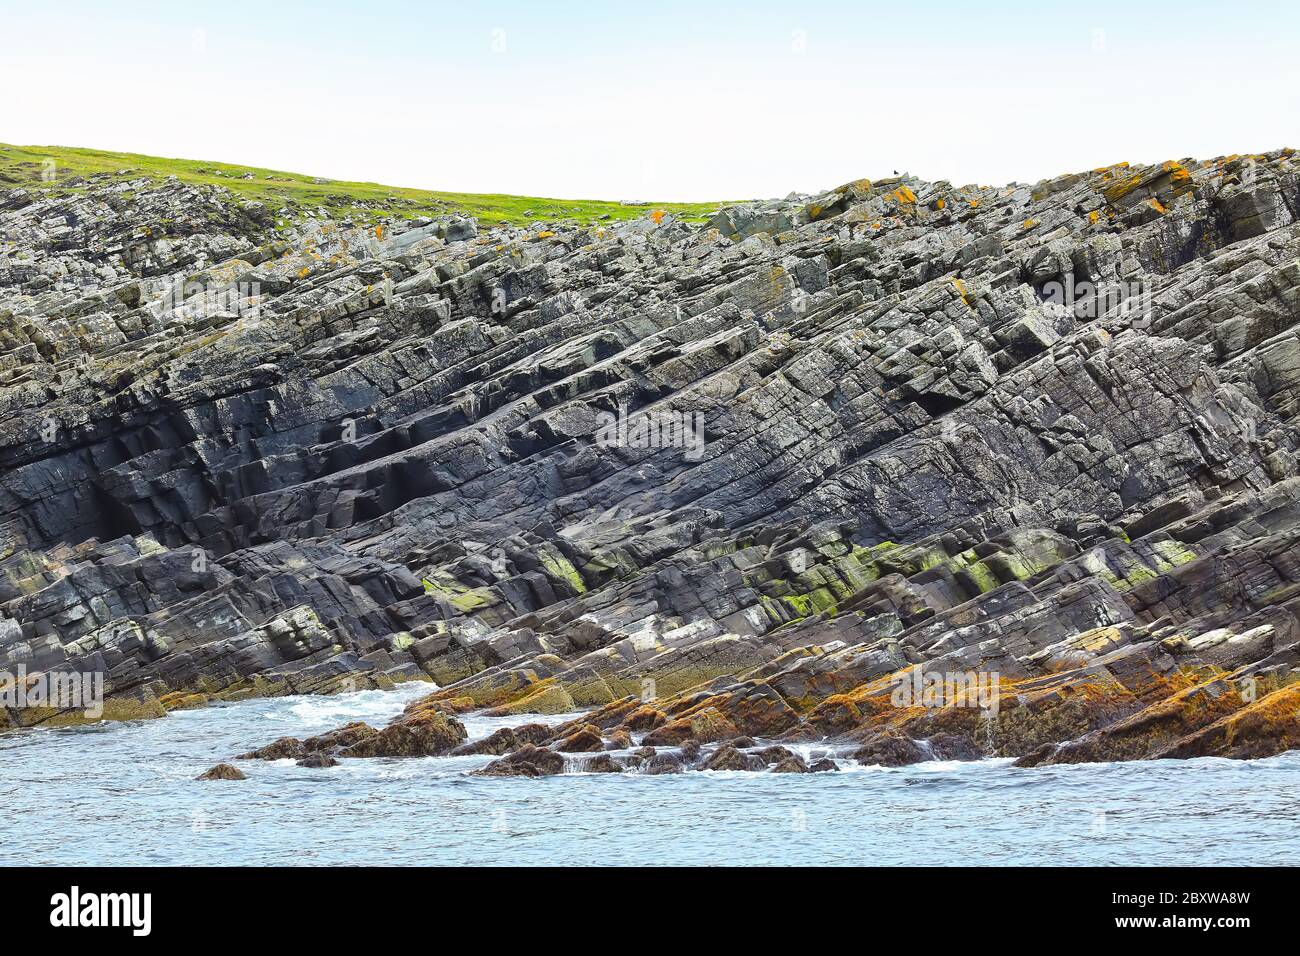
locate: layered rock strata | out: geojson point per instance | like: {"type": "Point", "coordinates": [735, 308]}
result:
{"type": "Point", "coordinates": [727, 487]}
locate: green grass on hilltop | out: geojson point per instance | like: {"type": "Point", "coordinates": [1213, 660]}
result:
{"type": "Point", "coordinates": [24, 165]}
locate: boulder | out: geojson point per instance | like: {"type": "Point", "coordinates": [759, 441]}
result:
{"type": "Point", "coordinates": [222, 771]}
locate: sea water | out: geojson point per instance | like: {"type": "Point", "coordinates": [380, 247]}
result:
{"type": "Point", "coordinates": [125, 793]}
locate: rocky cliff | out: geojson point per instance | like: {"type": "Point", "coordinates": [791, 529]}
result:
{"type": "Point", "coordinates": [1033, 446]}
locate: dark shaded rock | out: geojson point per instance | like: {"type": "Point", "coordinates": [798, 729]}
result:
{"type": "Point", "coordinates": [728, 757]}
{"type": "Point", "coordinates": [890, 750]}
{"type": "Point", "coordinates": [428, 734]}
{"type": "Point", "coordinates": [348, 735]}
{"type": "Point", "coordinates": [222, 771]}
{"type": "Point", "coordinates": [618, 740]}
{"type": "Point", "coordinates": [791, 764]}
{"type": "Point", "coordinates": [499, 742]}
{"type": "Point", "coordinates": [602, 763]}
{"type": "Point", "coordinates": [776, 754]}
{"type": "Point", "coordinates": [285, 748]}
{"type": "Point", "coordinates": [318, 760]}
{"type": "Point", "coordinates": [528, 761]}
{"type": "Point", "coordinates": [662, 763]}
{"type": "Point", "coordinates": [949, 746]}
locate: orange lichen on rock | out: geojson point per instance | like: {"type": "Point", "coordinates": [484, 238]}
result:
{"type": "Point", "coordinates": [1177, 172]}
{"type": "Point", "coordinates": [1263, 728]}
{"type": "Point", "coordinates": [960, 286]}
{"type": "Point", "coordinates": [1194, 703]}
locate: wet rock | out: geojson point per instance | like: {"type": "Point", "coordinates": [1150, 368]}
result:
{"type": "Point", "coordinates": [791, 764]}
{"type": "Point", "coordinates": [222, 771]}
{"type": "Point", "coordinates": [505, 739]}
{"type": "Point", "coordinates": [889, 750]}
{"type": "Point", "coordinates": [528, 761]}
{"type": "Point", "coordinates": [499, 742]}
{"type": "Point", "coordinates": [729, 757]}
{"type": "Point", "coordinates": [662, 763]}
{"type": "Point", "coordinates": [284, 748]}
{"type": "Point", "coordinates": [775, 754]}
{"type": "Point", "coordinates": [823, 765]}
{"type": "Point", "coordinates": [644, 718]}
{"type": "Point", "coordinates": [318, 760]}
{"type": "Point", "coordinates": [341, 738]}
{"type": "Point", "coordinates": [1263, 728]}
{"type": "Point", "coordinates": [704, 726]}
{"type": "Point", "coordinates": [428, 734]}
{"type": "Point", "coordinates": [585, 739]}
{"type": "Point", "coordinates": [602, 763]}
{"type": "Point", "coordinates": [950, 746]}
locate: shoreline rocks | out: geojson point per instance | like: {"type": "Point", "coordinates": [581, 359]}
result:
{"type": "Point", "coordinates": [905, 470]}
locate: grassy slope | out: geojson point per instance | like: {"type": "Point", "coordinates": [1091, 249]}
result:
{"type": "Point", "coordinates": [23, 165]}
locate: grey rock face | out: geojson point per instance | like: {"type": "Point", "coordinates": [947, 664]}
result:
{"type": "Point", "coordinates": [772, 458]}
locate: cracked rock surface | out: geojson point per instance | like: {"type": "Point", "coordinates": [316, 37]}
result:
{"type": "Point", "coordinates": [1041, 436]}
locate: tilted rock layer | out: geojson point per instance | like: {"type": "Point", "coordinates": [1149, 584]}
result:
{"type": "Point", "coordinates": [1041, 436]}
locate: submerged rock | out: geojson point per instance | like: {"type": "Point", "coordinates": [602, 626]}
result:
{"type": "Point", "coordinates": [284, 748]}
{"type": "Point", "coordinates": [222, 771]}
{"type": "Point", "coordinates": [318, 760]}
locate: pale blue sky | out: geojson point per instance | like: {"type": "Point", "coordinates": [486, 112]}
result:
{"type": "Point", "coordinates": [672, 100]}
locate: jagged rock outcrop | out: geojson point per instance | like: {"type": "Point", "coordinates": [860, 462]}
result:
{"type": "Point", "coordinates": [744, 479]}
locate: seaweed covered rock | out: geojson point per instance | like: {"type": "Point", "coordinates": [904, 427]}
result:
{"type": "Point", "coordinates": [528, 761]}
{"type": "Point", "coordinates": [426, 734]}
{"type": "Point", "coordinates": [222, 771]}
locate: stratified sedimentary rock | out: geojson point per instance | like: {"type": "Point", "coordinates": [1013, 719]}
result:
{"type": "Point", "coordinates": [715, 484]}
